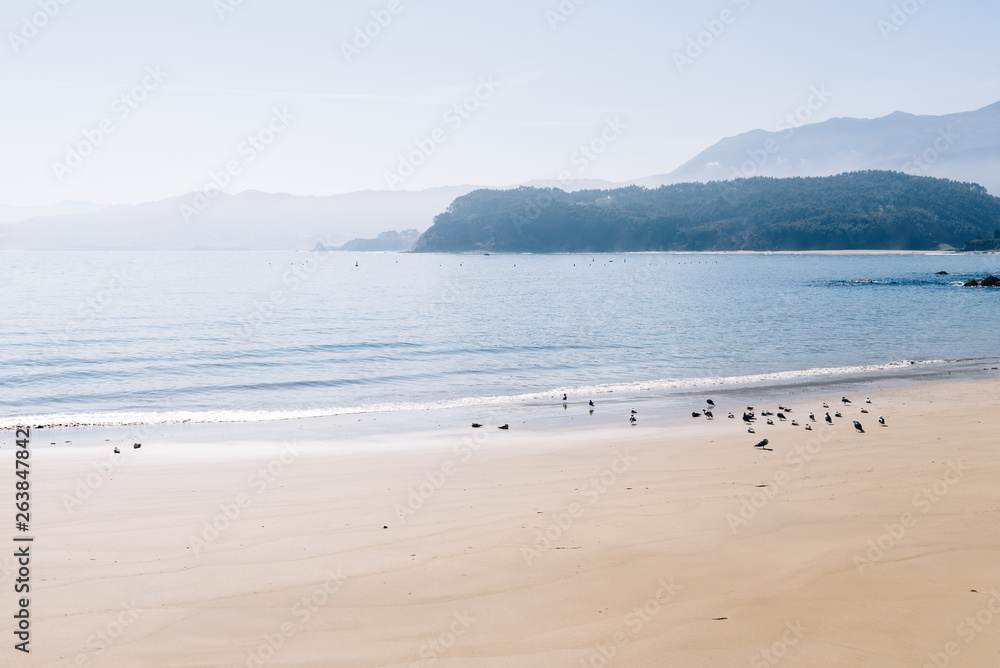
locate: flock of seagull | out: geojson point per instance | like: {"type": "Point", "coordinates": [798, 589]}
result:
{"type": "Point", "coordinates": [749, 417]}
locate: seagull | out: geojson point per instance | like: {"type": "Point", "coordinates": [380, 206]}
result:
{"type": "Point", "coordinates": [634, 411]}
{"type": "Point", "coordinates": [632, 419]}
{"type": "Point", "coordinates": [809, 427]}
{"type": "Point", "coordinates": [591, 402]}
{"type": "Point", "coordinates": [117, 451]}
{"type": "Point", "coordinates": [829, 419]}
{"type": "Point", "coordinates": [811, 416]}
{"type": "Point", "coordinates": [857, 425]}
{"type": "Point", "coordinates": [837, 414]}
{"type": "Point", "coordinates": [750, 408]}
{"type": "Point", "coordinates": [710, 402]}
{"type": "Point", "coordinates": [695, 414]}
{"type": "Point", "coordinates": [781, 416]}
{"type": "Point", "coordinates": [564, 397]}
{"type": "Point", "coordinates": [770, 421]}
{"type": "Point", "coordinates": [731, 416]}
{"type": "Point", "coordinates": [750, 430]}
{"type": "Point", "coordinates": [709, 415]}
{"type": "Point", "coordinates": [136, 446]}
{"type": "Point", "coordinates": [826, 405]}
{"type": "Point", "coordinates": [868, 400]}
{"type": "Point", "coordinates": [845, 400]}
{"type": "Point", "coordinates": [794, 423]}
{"type": "Point", "coordinates": [761, 444]}
{"type": "Point", "coordinates": [881, 420]}
{"type": "Point", "coordinates": [476, 425]}
{"type": "Point", "coordinates": [864, 410]}
{"type": "Point", "coordinates": [504, 426]}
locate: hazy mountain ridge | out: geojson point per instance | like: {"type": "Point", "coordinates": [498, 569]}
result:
{"type": "Point", "coordinates": [962, 147]}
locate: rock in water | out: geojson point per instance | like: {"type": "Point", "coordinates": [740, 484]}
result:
{"type": "Point", "coordinates": [990, 281]}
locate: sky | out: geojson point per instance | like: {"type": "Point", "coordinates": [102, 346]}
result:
{"type": "Point", "coordinates": [111, 101]}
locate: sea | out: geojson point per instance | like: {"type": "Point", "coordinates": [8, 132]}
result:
{"type": "Point", "coordinates": [119, 338]}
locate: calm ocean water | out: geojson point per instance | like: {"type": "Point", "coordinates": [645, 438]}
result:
{"type": "Point", "coordinates": [110, 338]}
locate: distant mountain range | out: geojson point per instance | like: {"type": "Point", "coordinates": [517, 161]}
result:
{"type": "Point", "coordinates": [961, 147]}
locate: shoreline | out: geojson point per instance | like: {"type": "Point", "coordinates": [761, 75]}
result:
{"type": "Point", "coordinates": [533, 547]}
{"type": "Point", "coordinates": [671, 392]}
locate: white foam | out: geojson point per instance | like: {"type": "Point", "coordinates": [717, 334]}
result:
{"type": "Point", "coordinates": [109, 419]}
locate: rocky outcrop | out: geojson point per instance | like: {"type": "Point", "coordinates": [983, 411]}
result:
{"type": "Point", "coordinates": [990, 281]}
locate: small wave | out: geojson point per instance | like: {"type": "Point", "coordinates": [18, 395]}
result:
{"type": "Point", "coordinates": [128, 418]}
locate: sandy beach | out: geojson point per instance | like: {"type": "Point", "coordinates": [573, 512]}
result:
{"type": "Point", "coordinates": [674, 542]}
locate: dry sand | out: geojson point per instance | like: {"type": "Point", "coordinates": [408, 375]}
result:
{"type": "Point", "coordinates": [657, 545]}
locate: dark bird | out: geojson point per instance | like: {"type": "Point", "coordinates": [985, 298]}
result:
{"type": "Point", "coordinates": [695, 414]}
{"type": "Point", "coordinates": [837, 414]}
{"type": "Point", "coordinates": [761, 444]}
{"type": "Point", "coordinates": [709, 415]}
{"type": "Point", "coordinates": [747, 418]}
{"type": "Point", "coordinates": [857, 425]}
{"type": "Point", "coordinates": [504, 426]}
{"type": "Point", "coordinates": [826, 405]}
{"type": "Point", "coordinates": [781, 416]}
{"type": "Point", "coordinates": [136, 446]}
{"type": "Point", "coordinates": [117, 451]}
{"type": "Point", "coordinates": [845, 400]}
{"type": "Point", "coordinates": [732, 416]}
{"type": "Point", "coordinates": [809, 427]}
{"type": "Point", "coordinates": [811, 416]}
{"type": "Point", "coordinates": [591, 402]}
{"type": "Point", "coordinates": [794, 423]}
{"type": "Point", "coordinates": [770, 421]}
{"type": "Point", "coordinates": [881, 420]}
{"type": "Point", "coordinates": [750, 430]}
{"type": "Point", "coordinates": [632, 419]}
{"type": "Point", "coordinates": [864, 410]}
{"type": "Point", "coordinates": [564, 397]}
{"type": "Point", "coordinates": [476, 425]}
{"type": "Point", "coordinates": [829, 419]}
{"type": "Point", "coordinates": [709, 402]}
{"type": "Point", "coordinates": [750, 408]}
{"type": "Point", "coordinates": [634, 411]}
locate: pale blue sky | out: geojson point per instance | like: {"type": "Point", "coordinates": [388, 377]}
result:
{"type": "Point", "coordinates": [354, 119]}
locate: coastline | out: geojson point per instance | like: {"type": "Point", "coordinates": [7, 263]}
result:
{"type": "Point", "coordinates": [551, 544]}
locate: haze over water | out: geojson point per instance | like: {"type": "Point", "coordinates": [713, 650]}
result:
{"type": "Point", "coordinates": [211, 334]}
